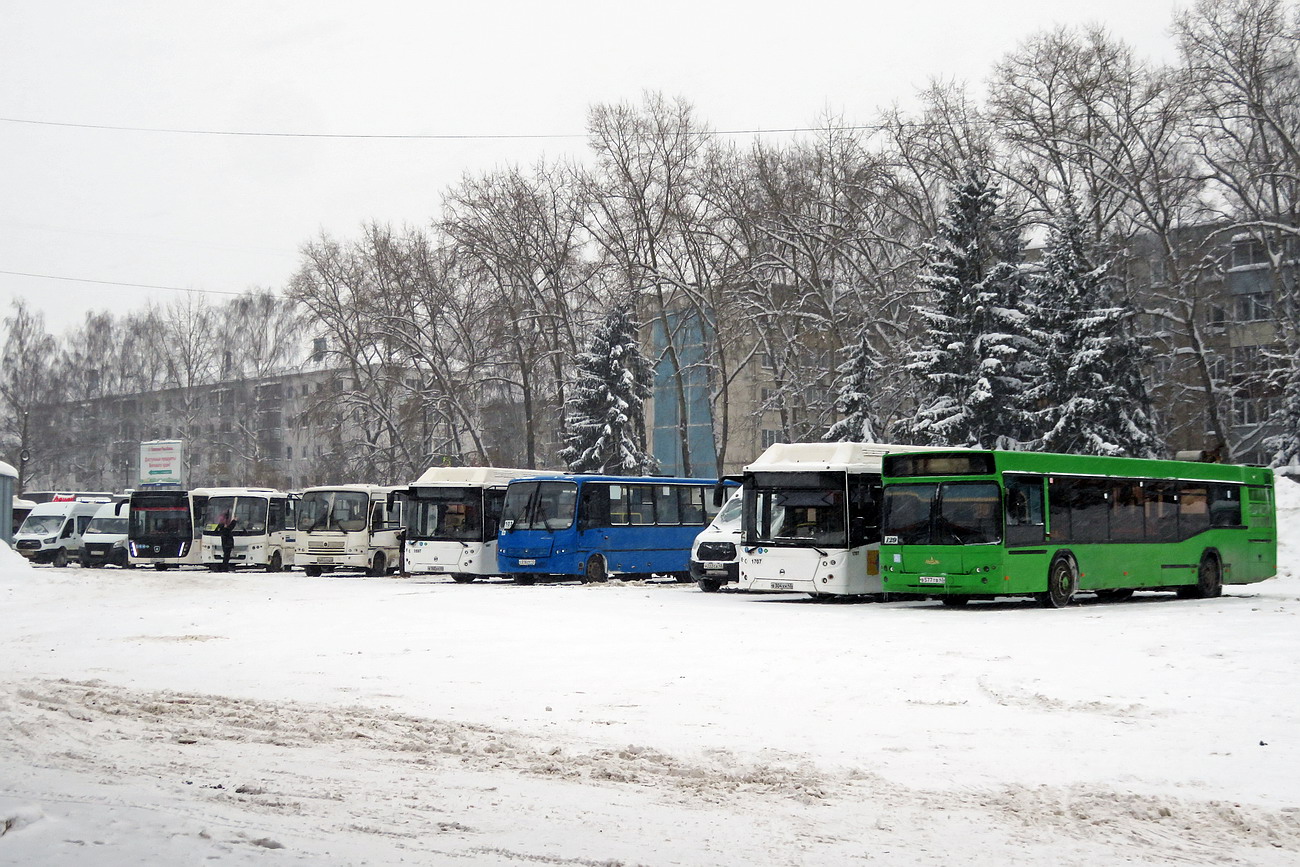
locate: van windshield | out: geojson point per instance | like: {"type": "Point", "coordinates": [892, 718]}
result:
{"type": "Point", "coordinates": [108, 526]}
{"type": "Point", "coordinates": [41, 525]}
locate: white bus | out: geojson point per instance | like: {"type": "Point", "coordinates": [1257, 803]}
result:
{"type": "Point", "coordinates": [264, 535]}
{"type": "Point", "coordinates": [452, 518]}
{"type": "Point", "coordinates": [164, 527]}
{"type": "Point", "coordinates": [811, 519]}
{"type": "Point", "coordinates": [355, 527]}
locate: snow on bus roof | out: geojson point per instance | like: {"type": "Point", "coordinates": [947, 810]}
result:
{"type": "Point", "coordinates": [474, 475]}
{"type": "Point", "coordinates": [804, 457]}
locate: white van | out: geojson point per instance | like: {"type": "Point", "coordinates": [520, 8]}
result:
{"type": "Point", "coordinates": [104, 542]}
{"type": "Point", "coordinates": [713, 556]}
{"type": "Point", "coordinates": [51, 532]}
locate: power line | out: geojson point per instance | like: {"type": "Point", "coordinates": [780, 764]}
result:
{"type": "Point", "coordinates": [409, 136]}
{"type": "Point", "coordinates": [119, 283]}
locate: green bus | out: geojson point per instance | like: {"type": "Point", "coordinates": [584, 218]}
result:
{"type": "Point", "coordinates": [966, 525]}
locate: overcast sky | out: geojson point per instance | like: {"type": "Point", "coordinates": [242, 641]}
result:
{"type": "Point", "coordinates": [223, 213]}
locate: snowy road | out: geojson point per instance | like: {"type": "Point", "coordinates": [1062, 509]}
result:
{"type": "Point", "coordinates": [183, 717]}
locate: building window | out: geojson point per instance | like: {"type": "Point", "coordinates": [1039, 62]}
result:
{"type": "Point", "coordinates": [1255, 307]}
{"type": "Point", "coordinates": [1248, 252]}
{"type": "Point", "coordinates": [318, 349]}
{"type": "Point", "coordinates": [766, 360]}
{"type": "Point", "coordinates": [288, 453]}
{"type": "Point", "coordinates": [769, 438]}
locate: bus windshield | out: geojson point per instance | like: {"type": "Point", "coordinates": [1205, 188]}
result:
{"type": "Point", "coordinates": [799, 509]}
{"type": "Point", "coordinates": [160, 520]}
{"type": "Point", "coordinates": [539, 506]}
{"type": "Point", "coordinates": [943, 513]}
{"type": "Point", "coordinates": [446, 515]}
{"type": "Point", "coordinates": [338, 511]}
{"type": "Point", "coordinates": [249, 512]}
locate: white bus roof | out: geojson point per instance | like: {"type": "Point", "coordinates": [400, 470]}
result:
{"type": "Point", "coordinates": [364, 489]}
{"type": "Point", "coordinates": [813, 457]}
{"type": "Point", "coordinates": [474, 476]}
{"type": "Point", "coordinates": [234, 492]}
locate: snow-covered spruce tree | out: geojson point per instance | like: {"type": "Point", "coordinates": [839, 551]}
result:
{"type": "Point", "coordinates": [1091, 395]}
{"type": "Point", "coordinates": [605, 416]}
{"type": "Point", "coordinates": [858, 384]}
{"type": "Point", "coordinates": [978, 358]}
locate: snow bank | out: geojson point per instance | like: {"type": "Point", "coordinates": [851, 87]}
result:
{"type": "Point", "coordinates": [11, 559]}
{"type": "Point", "coordinates": [1288, 527]}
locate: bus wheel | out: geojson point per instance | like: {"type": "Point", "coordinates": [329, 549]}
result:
{"type": "Point", "coordinates": [311, 571]}
{"type": "Point", "coordinates": [462, 579]}
{"type": "Point", "coordinates": [60, 558]}
{"type": "Point", "coordinates": [682, 577]}
{"type": "Point", "coordinates": [120, 560]}
{"type": "Point", "coordinates": [1122, 594]}
{"type": "Point", "coordinates": [161, 567]}
{"type": "Point", "coordinates": [596, 572]}
{"type": "Point", "coordinates": [1209, 580]}
{"type": "Point", "coordinates": [955, 601]}
{"type": "Point", "coordinates": [709, 585]}
{"type": "Point", "coordinates": [523, 579]}
{"type": "Point", "coordinates": [1062, 582]}
{"type": "Point", "coordinates": [276, 564]}
{"type": "Point", "coordinates": [378, 566]}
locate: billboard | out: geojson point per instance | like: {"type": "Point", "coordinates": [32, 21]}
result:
{"type": "Point", "coordinates": [162, 462]}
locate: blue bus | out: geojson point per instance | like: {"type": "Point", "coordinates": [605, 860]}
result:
{"type": "Point", "coordinates": [590, 527]}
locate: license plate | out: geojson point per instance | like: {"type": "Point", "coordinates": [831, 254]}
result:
{"type": "Point", "coordinates": [782, 585]}
{"type": "Point", "coordinates": [527, 561]}
{"type": "Point", "coordinates": [715, 571]}
{"type": "Point", "coordinates": [435, 568]}
{"type": "Point", "coordinates": [931, 579]}
{"type": "Point", "coordinates": [324, 559]}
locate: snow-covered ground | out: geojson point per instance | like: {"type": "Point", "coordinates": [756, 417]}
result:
{"type": "Point", "coordinates": [186, 717]}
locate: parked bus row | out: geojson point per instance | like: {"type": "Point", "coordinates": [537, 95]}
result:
{"type": "Point", "coordinates": [825, 519]}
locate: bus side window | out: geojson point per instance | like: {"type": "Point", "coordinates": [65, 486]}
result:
{"type": "Point", "coordinates": [1161, 512]}
{"type": "Point", "coordinates": [595, 510]}
{"type": "Point", "coordinates": [666, 505]}
{"type": "Point", "coordinates": [1225, 506]}
{"type": "Point", "coordinates": [618, 504]}
{"type": "Point", "coordinates": [1024, 508]}
{"type": "Point", "coordinates": [275, 517]}
{"type": "Point", "coordinates": [1126, 508]}
{"type": "Point", "coordinates": [68, 526]}
{"type": "Point", "coordinates": [864, 510]}
{"type": "Point", "coordinates": [691, 504]}
{"type": "Point", "coordinates": [1193, 509]}
{"type": "Point", "coordinates": [492, 520]}
{"type": "Point", "coordinates": [377, 516]}
{"type": "Point", "coordinates": [82, 522]}
{"type": "Point", "coordinates": [640, 504]}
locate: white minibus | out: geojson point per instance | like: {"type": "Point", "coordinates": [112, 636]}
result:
{"type": "Point", "coordinates": [350, 527]}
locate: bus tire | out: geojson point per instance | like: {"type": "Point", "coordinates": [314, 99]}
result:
{"type": "Point", "coordinates": [709, 585]}
{"type": "Point", "coordinates": [311, 571]}
{"type": "Point", "coordinates": [1062, 583]}
{"type": "Point", "coordinates": [523, 579]}
{"type": "Point", "coordinates": [60, 558]}
{"type": "Point", "coordinates": [955, 601]}
{"type": "Point", "coordinates": [1209, 579]}
{"type": "Point", "coordinates": [595, 572]}
{"type": "Point", "coordinates": [378, 566]}
{"type": "Point", "coordinates": [276, 564]}
{"type": "Point", "coordinates": [462, 579]}
{"type": "Point", "coordinates": [120, 560]}
{"type": "Point", "coordinates": [161, 567]}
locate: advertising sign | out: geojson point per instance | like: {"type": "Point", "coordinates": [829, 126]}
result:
{"type": "Point", "coordinates": [162, 463]}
